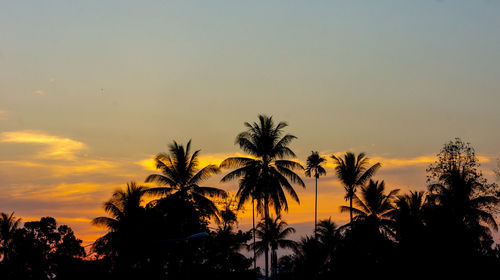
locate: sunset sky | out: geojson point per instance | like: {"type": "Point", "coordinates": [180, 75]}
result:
{"type": "Point", "coordinates": [90, 91]}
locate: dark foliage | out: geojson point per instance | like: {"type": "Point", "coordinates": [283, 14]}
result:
{"type": "Point", "coordinates": [183, 232]}
{"type": "Point", "coordinates": [39, 250]}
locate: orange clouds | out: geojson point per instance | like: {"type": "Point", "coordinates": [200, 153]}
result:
{"type": "Point", "coordinates": [57, 180]}
{"type": "Point", "coordinates": [56, 147]}
{"type": "Point", "coordinates": [203, 160]}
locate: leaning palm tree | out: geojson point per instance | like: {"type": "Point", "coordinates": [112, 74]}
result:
{"type": "Point", "coordinates": [8, 225]}
{"type": "Point", "coordinates": [266, 174]}
{"type": "Point", "coordinates": [273, 234]}
{"type": "Point", "coordinates": [374, 207]}
{"type": "Point", "coordinates": [353, 171]}
{"type": "Point", "coordinates": [181, 177]}
{"type": "Point", "coordinates": [314, 168]}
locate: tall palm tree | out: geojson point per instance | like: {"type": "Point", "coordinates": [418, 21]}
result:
{"type": "Point", "coordinates": [8, 225]}
{"type": "Point", "coordinates": [373, 206]}
{"type": "Point", "coordinates": [314, 168]}
{"type": "Point", "coordinates": [266, 174]}
{"type": "Point", "coordinates": [353, 171]}
{"type": "Point", "coordinates": [273, 234]}
{"type": "Point", "coordinates": [181, 177]}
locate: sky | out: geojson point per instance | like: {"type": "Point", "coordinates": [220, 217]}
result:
{"type": "Point", "coordinates": [90, 91]}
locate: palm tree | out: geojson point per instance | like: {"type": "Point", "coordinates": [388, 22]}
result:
{"type": "Point", "coordinates": [409, 218]}
{"type": "Point", "coordinates": [265, 175]}
{"type": "Point", "coordinates": [314, 168]}
{"type": "Point", "coordinates": [461, 207]}
{"type": "Point", "coordinates": [181, 177]}
{"type": "Point", "coordinates": [353, 171]}
{"type": "Point", "coordinates": [273, 234]}
{"type": "Point", "coordinates": [409, 215]}
{"type": "Point", "coordinates": [328, 236]}
{"type": "Point", "coordinates": [126, 213]}
{"type": "Point", "coordinates": [374, 207]}
{"type": "Point", "coordinates": [8, 225]}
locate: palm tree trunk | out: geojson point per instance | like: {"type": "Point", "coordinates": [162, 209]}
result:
{"type": "Point", "coordinates": [350, 209]}
{"type": "Point", "coordinates": [274, 264]}
{"type": "Point", "coordinates": [253, 227]}
{"type": "Point", "coordinates": [266, 251]}
{"type": "Point", "coordinates": [316, 208]}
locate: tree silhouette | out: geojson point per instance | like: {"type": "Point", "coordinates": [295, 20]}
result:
{"type": "Point", "coordinates": [8, 226]}
{"type": "Point", "coordinates": [125, 242]}
{"type": "Point", "coordinates": [327, 234]}
{"type": "Point", "coordinates": [265, 175]}
{"type": "Point", "coordinates": [353, 171]}
{"type": "Point", "coordinates": [463, 210]}
{"type": "Point", "coordinates": [462, 205]}
{"type": "Point", "coordinates": [223, 252]}
{"type": "Point", "coordinates": [273, 234]}
{"type": "Point", "coordinates": [39, 250]}
{"type": "Point", "coordinates": [409, 217]}
{"type": "Point", "coordinates": [180, 178]}
{"type": "Point", "coordinates": [314, 168]}
{"type": "Point", "coordinates": [373, 206]}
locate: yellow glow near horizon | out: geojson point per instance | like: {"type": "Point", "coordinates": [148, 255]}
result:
{"type": "Point", "coordinates": [89, 194]}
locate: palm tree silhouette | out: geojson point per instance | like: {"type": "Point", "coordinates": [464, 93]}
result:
{"type": "Point", "coordinates": [409, 214]}
{"type": "Point", "coordinates": [124, 242]}
{"type": "Point", "coordinates": [409, 218]}
{"type": "Point", "coordinates": [124, 207]}
{"type": "Point", "coordinates": [461, 208]}
{"type": "Point", "coordinates": [273, 234]}
{"type": "Point", "coordinates": [265, 175]}
{"type": "Point", "coordinates": [314, 168]}
{"type": "Point", "coordinates": [8, 225]}
{"type": "Point", "coordinates": [353, 171]}
{"type": "Point", "coordinates": [457, 193]}
{"type": "Point", "coordinates": [374, 207]}
{"type": "Point", "coordinates": [181, 177]}
{"type": "Point", "coordinates": [327, 234]}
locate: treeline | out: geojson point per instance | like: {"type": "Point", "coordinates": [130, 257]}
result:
{"type": "Point", "coordinates": [180, 229]}
{"type": "Point", "coordinates": [39, 250]}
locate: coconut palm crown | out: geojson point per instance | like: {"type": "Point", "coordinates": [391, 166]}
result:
{"type": "Point", "coordinates": [180, 177]}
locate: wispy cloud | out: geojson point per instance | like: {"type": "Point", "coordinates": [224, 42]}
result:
{"type": "Point", "coordinates": [73, 191]}
{"type": "Point", "coordinates": [39, 92]}
{"type": "Point", "coordinates": [398, 162]}
{"type": "Point", "coordinates": [56, 147]}
{"type": "Point", "coordinates": [149, 163]}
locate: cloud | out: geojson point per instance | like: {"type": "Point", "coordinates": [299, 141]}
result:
{"type": "Point", "coordinates": [203, 160]}
{"type": "Point", "coordinates": [399, 162]}
{"type": "Point", "coordinates": [73, 191]}
{"type": "Point", "coordinates": [56, 147]}
{"type": "Point", "coordinates": [3, 115]}
{"type": "Point", "coordinates": [39, 92]}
